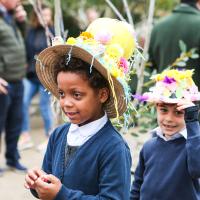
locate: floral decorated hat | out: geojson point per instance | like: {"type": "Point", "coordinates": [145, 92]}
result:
{"type": "Point", "coordinates": [172, 86]}
{"type": "Point", "coordinates": [107, 45]}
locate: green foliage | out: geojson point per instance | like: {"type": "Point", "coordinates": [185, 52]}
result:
{"type": "Point", "coordinates": [138, 8]}
{"type": "Point", "coordinates": [166, 4]}
{"type": "Point", "coordinates": [184, 56]}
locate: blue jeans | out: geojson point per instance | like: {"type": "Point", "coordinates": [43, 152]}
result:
{"type": "Point", "coordinates": [31, 88]}
{"type": "Point", "coordinates": [11, 119]}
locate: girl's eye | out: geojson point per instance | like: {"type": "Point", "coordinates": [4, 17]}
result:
{"type": "Point", "coordinates": [77, 95]}
{"type": "Point", "coordinates": [61, 94]}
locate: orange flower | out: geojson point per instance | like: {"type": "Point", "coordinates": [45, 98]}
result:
{"type": "Point", "coordinates": [86, 35]}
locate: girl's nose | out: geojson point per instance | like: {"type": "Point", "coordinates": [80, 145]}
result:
{"type": "Point", "coordinates": [67, 102]}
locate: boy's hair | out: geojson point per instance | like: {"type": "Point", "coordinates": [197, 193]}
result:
{"type": "Point", "coordinates": [78, 66]}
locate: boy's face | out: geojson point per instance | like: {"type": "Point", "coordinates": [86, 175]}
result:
{"type": "Point", "coordinates": [170, 119]}
{"type": "Point", "coordinates": [80, 103]}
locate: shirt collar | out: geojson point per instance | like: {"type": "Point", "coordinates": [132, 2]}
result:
{"type": "Point", "coordinates": [90, 128]}
{"type": "Point", "coordinates": [182, 133]}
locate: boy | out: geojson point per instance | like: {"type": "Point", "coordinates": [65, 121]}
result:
{"type": "Point", "coordinates": [169, 164]}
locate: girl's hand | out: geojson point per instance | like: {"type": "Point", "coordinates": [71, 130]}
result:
{"type": "Point", "coordinates": [32, 176]}
{"type": "Point", "coordinates": [47, 187]}
{"type": "Point", "coordinates": [184, 104]}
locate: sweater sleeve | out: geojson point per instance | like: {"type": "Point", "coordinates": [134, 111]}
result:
{"type": "Point", "coordinates": [114, 177]}
{"type": "Point", "coordinates": [193, 141]}
{"type": "Point", "coordinates": [138, 178]}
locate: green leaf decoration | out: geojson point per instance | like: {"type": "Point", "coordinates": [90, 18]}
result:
{"type": "Point", "coordinates": [179, 93]}
{"type": "Point", "coordinates": [182, 46]}
{"type": "Point", "coordinates": [194, 56]}
{"type": "Point", "coordinates": [183, 84]}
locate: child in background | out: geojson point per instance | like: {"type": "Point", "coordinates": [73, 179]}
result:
{"type": "Point", "coordinates": [169, 164]}
{"type": "Point", "coordinates": [87, 158]}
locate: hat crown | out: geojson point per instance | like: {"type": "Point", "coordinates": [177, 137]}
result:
{"type": "Point", "coordinates": [120, 33]}
{"type": "Point", "coordinates": [172, 86]}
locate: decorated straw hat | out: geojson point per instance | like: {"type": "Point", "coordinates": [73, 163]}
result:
{"type": "Point", "coordinates": [106, 45]}
{"type": "Point", "coordinates": [172, 86]}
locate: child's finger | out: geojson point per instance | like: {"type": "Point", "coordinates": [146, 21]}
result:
{"type": "Point", "coordinates": [29, 180]}
{"type": "Point", "coordinates": [32, 174]}
{"type": "Point", "coordinates": [51, 178]}
{"type": "Point", "coordinates": [40, 183]}
{"type": "Point", "coordinates": [37, 172]}
{"type": "Point", "coordinates": [26, 186]}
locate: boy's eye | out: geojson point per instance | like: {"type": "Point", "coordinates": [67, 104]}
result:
{"type": "Point", "coordinates": [179, 112]}
{"type": "Point", "coordinates": [163, 110]}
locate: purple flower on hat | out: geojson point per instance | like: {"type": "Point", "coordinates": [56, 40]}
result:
{"type": "Point", "coordinates": [140, 98]}
{"type": "Point", "coordinates": [169, 80]}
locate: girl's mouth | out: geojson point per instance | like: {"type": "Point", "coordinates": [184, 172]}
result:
{"type": "Point", "coordinates": [71, 114]}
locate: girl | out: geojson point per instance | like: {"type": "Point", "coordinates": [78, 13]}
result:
{"type": "Point", "coordinates": [87, 158]}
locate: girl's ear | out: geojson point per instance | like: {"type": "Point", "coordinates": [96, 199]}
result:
{"type": "Point", "coordinates": [104, 94]}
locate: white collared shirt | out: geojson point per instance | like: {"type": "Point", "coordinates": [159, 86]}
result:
{"type": "Point", "coordinates": [182, 133]}
{"type": "Point", "coordinates": [78, 135]}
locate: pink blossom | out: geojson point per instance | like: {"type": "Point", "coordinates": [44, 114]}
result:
{"type": "Point", "coordinates": [123, 63]}
{"type": "Point", "coordinates": [103, 37]}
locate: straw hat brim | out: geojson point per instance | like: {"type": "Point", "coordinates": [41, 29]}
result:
{"type": "Point", "coordinates": [45, 68]}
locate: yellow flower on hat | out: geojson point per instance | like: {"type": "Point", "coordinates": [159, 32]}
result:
{"type": "Point", "coordinates": [116, 72]}
{"type": "Point", "coordinates": [114, 51]}
{"type": "Point", "coordinates": [158, 77]}
{"type": "Point", "coordinates": [71, 41]}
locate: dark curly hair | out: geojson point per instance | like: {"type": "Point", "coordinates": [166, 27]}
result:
{"type": "Point", "coordinates": [78, 66]}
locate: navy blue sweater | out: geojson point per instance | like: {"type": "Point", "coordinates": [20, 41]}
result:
{"type": "Point", "coordinates": [170, 170]}
{"type": "Point", "coordinates": [99, 169]}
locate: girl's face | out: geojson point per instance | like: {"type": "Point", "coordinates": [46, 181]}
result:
{"type": "Point", "coordinates": [170, 119]}
{"type": "Point", "coordinates": [80, 103]}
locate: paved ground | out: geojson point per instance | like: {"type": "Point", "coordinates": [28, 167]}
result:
{"type": "Point", "coordinates": [11, 184]}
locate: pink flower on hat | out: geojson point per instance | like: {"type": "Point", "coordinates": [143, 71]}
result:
{"type": "Point", "coordinates": [123, 63]}
{"type": "Point", "coordinates": [103, 37]}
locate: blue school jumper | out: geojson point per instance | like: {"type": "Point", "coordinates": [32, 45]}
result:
{"type": "Point", "coordinates": [170, 170]}
{"type": "Point", "coordinates": [99, 169]}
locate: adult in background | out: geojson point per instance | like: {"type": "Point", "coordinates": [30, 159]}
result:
{"type": "Point", "coordinates": [182, 24]}
{"type": "Point", "coordinates": [12, 70]}
{"type": "Point", "coordinates": [35, 42]}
